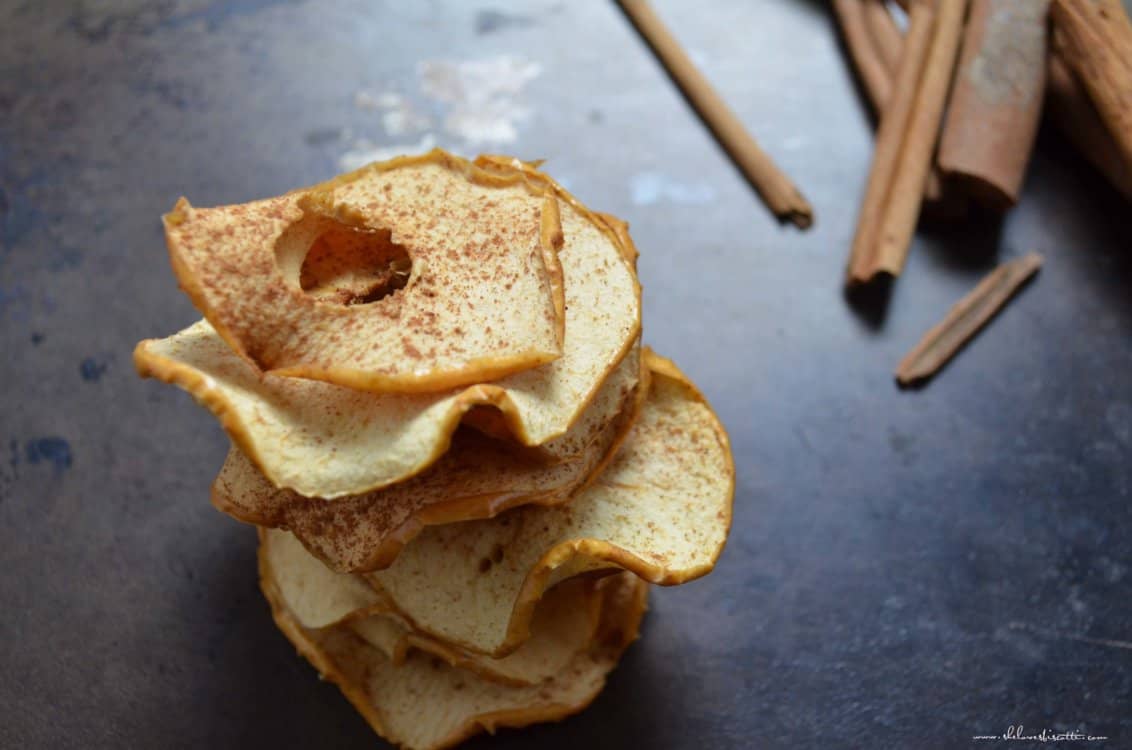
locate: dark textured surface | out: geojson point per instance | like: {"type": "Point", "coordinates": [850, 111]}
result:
{"type": "Point", "coordinates": [906, 569]}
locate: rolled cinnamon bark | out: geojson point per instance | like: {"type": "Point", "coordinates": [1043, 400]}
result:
{"type": "Point", "coordinates": [965, 319]}
{"type": "Point", "coordinates": [996, 102]}
{"type": "Point", "coordinates": [865, 51]}
{"type": "Point", "coordinates": [1070, 107]}
{"type": "Point", "coordinates": [885, 34]}
{"type": "Point", "coordinates": [875, 45]}
{"type": "Point", "coordinates": [906, 142]}
{"type": "Point", "coordinates": [1094, 37]}
{"type": "Point", "coordinates": [775, 187]}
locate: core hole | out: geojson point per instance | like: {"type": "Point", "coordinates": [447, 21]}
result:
{"type": "Point", "coordinates": [354, 266]}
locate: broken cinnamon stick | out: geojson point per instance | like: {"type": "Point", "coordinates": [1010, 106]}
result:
{"type": "Point", "coordinates": [906, 140]}
{"type": "Point", "coordinates": [965, 319]}
{"type": "Point", "coordinates": [996, 104]}
{"type": "Point", "coordinates": [776, 189]}
{"type": "Point", "coordinates": [1070, 107]}
{"type": "Point", "coordinates": [1094, 37]}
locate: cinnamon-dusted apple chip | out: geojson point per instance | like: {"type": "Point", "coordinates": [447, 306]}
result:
{"type": "Point", "coordinates": [478, 477]}
{"type": "Point", "coordinates": [661, 509]}
{"type": "Point", "coordinates": [564, 621]}
{"type": "Point", "coordinates": [401, 276]}
{"type": "Point", "coordinates": [424, 704]}
{"type": "Point", "coordinates": [323, 440]}
{"type": "Point", "coordinates": [564, 625]}
{"type": "Point", "coordinates": [317, 597]}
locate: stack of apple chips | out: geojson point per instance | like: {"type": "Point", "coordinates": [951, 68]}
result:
{"type": "Point", "coordinates": [464, 467]}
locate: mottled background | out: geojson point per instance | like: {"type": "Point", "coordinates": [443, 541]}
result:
{"type": "Point", "coordinates": [906, 569]}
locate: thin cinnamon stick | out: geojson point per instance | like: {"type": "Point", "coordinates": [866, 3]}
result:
{"type": "Point", "coordinates": [875, 45]}
{"type": "Point", "coordinates": [776, 189]}
{"type": "Point", "coordinates": [1094, 37]}
{"type": "Point", "coordinates": [1070, 107]}
{"type": "Point", "coordinates": [996, 104]}
{"type": "Point", "coordinates": [875, 74]}
{"type": "Point", "coordinates": [965, 319]}
{"type": "Point", "coordinates": [887, 38]}
{"type": "Point", "coordinates": [906, 140]}
{"type": "Point", "coordinates": [863, 263]}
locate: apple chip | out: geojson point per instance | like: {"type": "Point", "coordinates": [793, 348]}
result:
{"type": "Point", "coordinates": [317, 597]}
{"type": "Point", "coordinates": [662, 509]}
{"type": "Point", "coordinates": [564, 621]}
{"type": "Point", "coordinates": [425, 704]}
{"type": "Point", "coordinates": [478, 477]}
{"type": "Point", "coordinates": [564, 625]}
{"type": "Point", "coordinates": [323, 440]}
{"type": "Point", "coordinates": [400, 276]}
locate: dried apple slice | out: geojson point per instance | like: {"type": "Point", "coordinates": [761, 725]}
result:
{"type": "Point", "coordinates": [478, 477]}
{"type": "Point", "coordinates": [322, 440]}
{"type": "Point", "coordinates": [401, 276]}
{"type": "Point", "coordinates": [661, 509]}
{"type": "Point", "coordinates": [425, 704]}
{"type": "Point", "coordinates": [564, 622]}
{"type": "Point", "coordinates": [317, 597]}
{"type": "Point", "coordinates": [564, 625]}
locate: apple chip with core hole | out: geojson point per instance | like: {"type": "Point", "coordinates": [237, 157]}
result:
{"type": "Point", "coordinates": [478, 477]}
{"type": "Point", "coordinates": [661, 509]}
{"type": "Point", "coordinates": [323, 440]}
{"type": "Point", "coordinates": [425, 704]}
{"type": "Point", "coordinates": [401, 276]}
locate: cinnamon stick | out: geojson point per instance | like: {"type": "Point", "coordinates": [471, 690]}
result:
{"type": "Point", "coordinates": [906, 140]}
{"type": "Point", "coordinates": [1094, 37]}
{"type": "Point", "coordinates": [965, 319]}
{"type": "Point", "coordinates": [996, 104]}
{"type": "Point", "coordinates": [1070, 107]}
{"type": "Point", "coordinates": [772, 184]}
{"type": "Point", "coordinates": [864, 263]}
{"type": "Point", "coordinates": [887, 38]}
{"type": "Point", "coordinates": [876, 75]}
{"type": "Point", "coordinates": [875, 45]}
